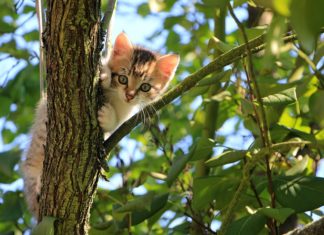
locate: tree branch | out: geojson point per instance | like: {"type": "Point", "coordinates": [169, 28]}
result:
{"type": "Point", "coordinates": [189, 82]}
{"type": "Point", "coordinates": [107, 24]}
{"type": "Point", "coordinates": [314, 228]}
{"type": "Point", "coordinates": [42, 65]}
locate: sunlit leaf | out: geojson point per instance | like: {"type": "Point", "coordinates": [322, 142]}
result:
{"type": "Point", "coordinates": [282, 6]}
{"type": "Point", "coordinates": [285, 97]}
{"type": "Point", "coordinates": [45, 227]}
{"type": "Point", "coordinates": [299, 167]}
{"type": "Point", "coordinates": [219, 45]}
{"type": "Point", "coordinates": [225, 158]}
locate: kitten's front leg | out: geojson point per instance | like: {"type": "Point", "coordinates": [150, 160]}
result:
{"type": "Point", "coordinates": [107, 118]}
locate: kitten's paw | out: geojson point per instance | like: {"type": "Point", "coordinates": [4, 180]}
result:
{"type": "Point", "coordinates": [105, 77]}
{"type": "Point", "coordinates": [107, 118]}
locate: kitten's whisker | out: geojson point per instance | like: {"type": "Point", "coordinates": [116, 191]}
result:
{"type": "Point", "coordinates": [143, 112]}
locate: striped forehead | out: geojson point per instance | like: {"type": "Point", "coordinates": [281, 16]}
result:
{"type": "Point", "coordinates": [141, 61]}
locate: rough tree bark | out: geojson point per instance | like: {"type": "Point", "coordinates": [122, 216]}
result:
{"type": "Point", "coordinates": [71, 169]}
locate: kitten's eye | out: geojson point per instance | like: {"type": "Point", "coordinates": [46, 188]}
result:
{"type": "Point", "coordinates": [123, 79]}
{"type": "Point", "coordinates": [145, 87]}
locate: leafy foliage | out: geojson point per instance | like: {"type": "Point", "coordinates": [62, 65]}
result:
{"type": "Point", "coordinates": [161, 191]}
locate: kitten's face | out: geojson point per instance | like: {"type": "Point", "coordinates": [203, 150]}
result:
{"type": "Point", "coordinates": [138, 75]}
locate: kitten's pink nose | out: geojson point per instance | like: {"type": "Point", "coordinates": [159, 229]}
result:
{"type": "Point", "coordinates": [129, 96]}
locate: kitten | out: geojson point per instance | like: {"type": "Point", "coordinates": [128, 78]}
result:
{"type": "Point", "coordinates": [132, 77]}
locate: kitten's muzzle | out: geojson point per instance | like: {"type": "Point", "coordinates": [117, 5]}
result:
{"type": "Point", "coordinates": [129, 96]}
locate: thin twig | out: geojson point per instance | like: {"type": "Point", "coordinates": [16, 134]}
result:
{"type": "Point", "coordinates": [200, 224]}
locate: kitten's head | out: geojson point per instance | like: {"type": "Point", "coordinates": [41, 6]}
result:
{"type": "Point", "coordinates": [138, 75]}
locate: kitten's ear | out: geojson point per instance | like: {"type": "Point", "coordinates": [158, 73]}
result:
{"type": "Point", "coordinates": [122, 46]}
{"type": "Point", "coordinates": [167, 65]}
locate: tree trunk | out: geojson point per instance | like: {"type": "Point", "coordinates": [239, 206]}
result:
{"type": "Point", "coordinates": [71, 167]}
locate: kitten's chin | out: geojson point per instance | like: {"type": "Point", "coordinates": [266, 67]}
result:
{"type": "Point", "coordinates": [129, 102]}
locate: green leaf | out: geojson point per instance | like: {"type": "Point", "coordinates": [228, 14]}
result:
{"type": "Point", "coordinates": [251, 224]}
{"type": "Point", "coordinates": [5, 106]}
{"type": "Point", "coordinates": [239, 2]}
{"type": "Point", "coordinates": [210, 188]}
{"type": "Point", "coordinates": [178, 164]}
{"type": "Point", "coordinates": [183, 228]}
{"type": "Point", "coordinates": [299, 167]}
{"type": "Point", "coordinates": [221, 96]}
{"type": "Point", "coordinates": [202, 149]}
{"type": "Point", "coordinates": [10, 208]}
{"type": "Point", "coordinates": [225, 158]}
{"type": "Point", "coordinates": [222, 76]}
{"type": "Point", "coordinates": [274, 42]}
{"type": "Point", "coordinates": [110, 227]}
{"type": "Point", "coordinates": [171, 21]}
{"type": "Point", "coordinates": [282, 6]}
{"type": "Point", "coordinates": [28, 9]}
{"type": "Point", "coordinates": [219, 45]}
{"type": "Point", "coordinates": [143, 9]}
{"type": "Point", "coordinates": [139, 203]}
{"type": "Point", "coordinates": [319, 53]}
{"type": "Point", "coordinates": [8, 160]}
{"type": "Point", "coordinates": [8, 135]}
{"type": "Point", "coordinates": [6, 27]}
{"type": "Point", "coordinates": [45, 227]}
{"type": "Point", "coordinates": [32, 36]}
{"type": "Point", "coordinates": [285, 97]}
{"type": "Point", "coordinates": [307, 19]}
{"type": "Point", "coordinates": [216, 3]}
{"type": "Point", "coordinates": [173, 40]}
{"type": "Point", "coordinates": [11, 48]}
{"type": "Point", "coordinates": [301, 193]}
{"type": "Point", "coordinates": [157, 204]}
{"type": "Point", "coordinates": [153, 218]}
{"type": "Point", "coordinates": [7, 228]}
{"type": "Point", "coordinates": [279, 214]}
{"type": "Point", "coordinates": [316, 107]}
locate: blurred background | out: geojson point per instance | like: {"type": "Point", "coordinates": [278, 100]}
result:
{"type": "Point", "coordinates": [142, 161]}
